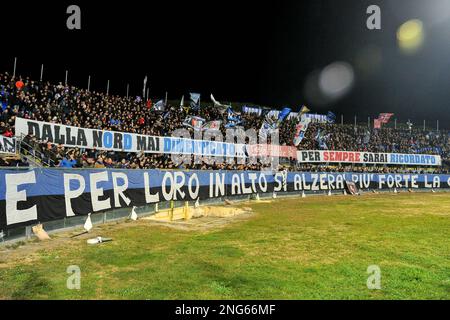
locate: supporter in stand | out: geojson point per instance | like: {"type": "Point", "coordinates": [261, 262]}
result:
{"type": "Point", "coordinates": [73, 106]}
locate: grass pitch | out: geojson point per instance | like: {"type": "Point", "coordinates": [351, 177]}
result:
{"type": "Point", "coordinates": [313, 248]}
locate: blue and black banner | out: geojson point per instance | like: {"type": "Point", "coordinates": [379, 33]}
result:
{"type": "Point", "coordinates": [40, 195]}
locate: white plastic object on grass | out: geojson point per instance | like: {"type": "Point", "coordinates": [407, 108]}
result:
{"type": "Point", "coordinates": [133, 214]}
{"type": "Point", "coordinates": [197, 203]}
{"type": "Point", "coordinates": [88, 223]}
{"type": "Point", "coordinates": [98, 240]}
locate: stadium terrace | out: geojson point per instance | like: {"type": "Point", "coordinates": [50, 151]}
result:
{"type": "Point", "coordinates": [55, 124]}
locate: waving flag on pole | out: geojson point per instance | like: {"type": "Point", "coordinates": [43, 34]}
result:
{"type": "Point", "coordinates": [193, 122]}
{"type": "Point", "coordinates": [212, 125]}
{"type": "Point", "coordinates": [252, 110]}
{"type": "Point", "coordinates": [222, 108]}
{"type": "Point", "coordinates": [145, 86]}
{"type": "Point", "coordinates": [266, 129]}
{"type": "Point", "coordinates": [331, 117]}
{"type": "Point", "coordinates": [377, 123]}
{"type": "Point", "coordinates": [303, 110]}
{"type": "Point", "coordinates": [182, 103]}
{"type": "Point", "coordinates": [321, 139]}
{"type": "Point", "coordinates": [159, 106]}
{"type": "Point", "coordinates": [234, 118]}
{"type": "Point", "coordinates": [385, 117]}
{"type": "Point", "coordinates": [300, 130]}
{"type": "Point", "coordinates": [195, 101]}
{"type": "Point", "coordinates": [283, 114]}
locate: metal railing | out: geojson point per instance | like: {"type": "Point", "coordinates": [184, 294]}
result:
{"type": "Point", "coordinates": [35, 157]}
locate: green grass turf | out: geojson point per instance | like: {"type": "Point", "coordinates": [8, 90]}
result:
{"type": "Point", "coordinates": [313, 248]}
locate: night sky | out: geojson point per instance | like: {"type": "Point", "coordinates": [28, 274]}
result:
{"type": "Point", "coordinates": [261, 52]}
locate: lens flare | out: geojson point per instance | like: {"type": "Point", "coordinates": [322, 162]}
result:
{"type": "Point", "coordinates": [336, 79]}
{"type": "Point", "coordinates": [411, 36]}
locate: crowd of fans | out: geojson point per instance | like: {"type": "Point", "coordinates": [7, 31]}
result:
{"type": "Point", "coordinates": [69, 105]}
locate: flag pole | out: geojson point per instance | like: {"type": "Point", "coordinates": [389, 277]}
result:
{"type": "Point", "coordinates": [107, 88]}
{"type": "Point", "coordinates": [128, 89]}
{"type": "Point", "coordinates": [89, 83]}
{"type": "Point", "coordinates": [67, 74]}
{"type": "Point", "coordinates": [42, 72]}
{"type": "Point", "coordinates": [15, 64]}
{"type": "Point", "coordinates": [437, 125]}
{"type": "Point", "coordinates": [342, 119]}
{"type": "Point", "coordinates": [395, 124]}
{"type": "Point", "coordinates": [166, 100]}
{"type": "Point", "coordinates": [144, 88]}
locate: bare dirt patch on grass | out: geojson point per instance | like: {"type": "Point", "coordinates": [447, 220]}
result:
{"type": "Point", "coordinates": [26, 252]}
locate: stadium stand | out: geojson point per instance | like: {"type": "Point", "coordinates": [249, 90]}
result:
{"type": "Point", "coordinates": [69, 105]}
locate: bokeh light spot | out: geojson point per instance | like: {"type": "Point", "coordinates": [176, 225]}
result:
{"type": "Point", "coordinates": [411, 36]}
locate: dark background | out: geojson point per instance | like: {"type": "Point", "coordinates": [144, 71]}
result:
{"type": "Point", "coordinates": [260, 52]}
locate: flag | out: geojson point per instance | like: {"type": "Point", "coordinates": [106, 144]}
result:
{"type": "Point", "coordinates": [182, 103]}
{"type": "Point", "coordinates": [321, 140]}
{"type": "Point", "coordinates": [377, 124]}
{"type": "Point", "coordinates": [266, 129]}
{"type": "Point", "coordinates": [303, 110]}
{"type": "Point", "coordinates": [212, 125]}
{"type": "Point", "coordinates": [283, 114]}
{"type": "Point", "coordinates": [195, 101]}
{"type": "Point", "coordinates": [270, 120]}
{"type": "Point", "coordinates": [233, 118]}
{"type": "Point", "coordinates": [145, 85]}
{"type": "Point", "coordinates": [300, 130]}
{"type": "Point", "coordinates": [331, 117]}
{"type": "Point", "coordinates": [385, 117]}
{"type": "Point", "coordinates": [252, 110]}
{"type": "Point", "coordinates": [222, 108]}
{"type": "Point", "coordinates": [193, 122]}
{"type": "Point", "coordinates": [159, 106]}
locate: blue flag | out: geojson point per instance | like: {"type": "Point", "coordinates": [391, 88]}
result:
{"type": "Point", "coordinates": [195, 101]}
{"type": "Point", "coordinates": [331, 117]}
{"type": "Point", "coordinates": [283, 114]}
{"type": "Point", "coordinates": [233, 118]}
{"type": "Point", "coordinates": [321, 139]}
